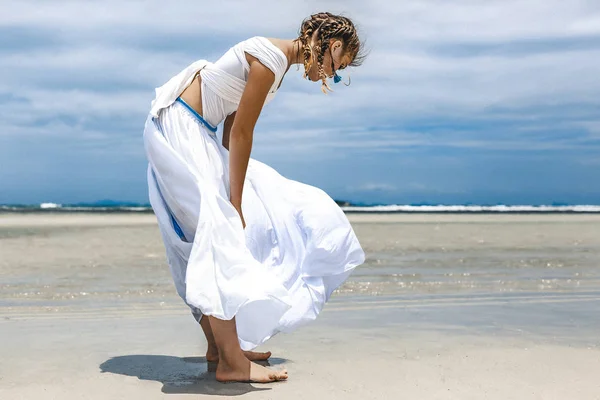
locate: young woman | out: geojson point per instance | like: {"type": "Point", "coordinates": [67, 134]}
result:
{"type": "Point", "coordinates": [251, 252]}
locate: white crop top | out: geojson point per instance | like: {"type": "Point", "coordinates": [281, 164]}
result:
{"type": "Point", "coordinates": [223, 82]}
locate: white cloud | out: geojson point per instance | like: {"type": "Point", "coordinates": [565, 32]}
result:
{"type": "Point", "coordinates": [408, 186]}
{"type": "Point", "coordinates": [104, 65]}
{"type": "Point", "coordinates": [372, 186]}
{"type": "Point", "coordinates": [592, 127]}
{"type": "Point", "coordinates": [408, 20]}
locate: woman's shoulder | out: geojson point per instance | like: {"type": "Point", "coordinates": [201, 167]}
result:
{"type": "Point", "coordinates": [269, 54]}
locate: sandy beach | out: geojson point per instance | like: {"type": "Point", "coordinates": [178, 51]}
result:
{"type": "Point", "coordinates": [446, 307]}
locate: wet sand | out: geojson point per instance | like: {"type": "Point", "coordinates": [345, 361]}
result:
{"type": "Point", "coordinates": [446, 307]}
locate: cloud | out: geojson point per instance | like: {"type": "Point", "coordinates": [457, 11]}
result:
{"type": "Point", "coordinates": [409, 70]}
{"type": "Point", "coordinates": [495, 76]}
{"type": "Point", "coordinates": [373, 186]}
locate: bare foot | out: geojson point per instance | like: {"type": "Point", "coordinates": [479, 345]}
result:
{"type": "Point", "coordinates": [246, 371]}
{"type": "Point", "coordinates": [212, 355]}
{"type": "Point", "coordinates": [257, 356]}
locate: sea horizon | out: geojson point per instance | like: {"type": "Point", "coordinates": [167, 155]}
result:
{"type": "Point", "coordinates": [110, 206]}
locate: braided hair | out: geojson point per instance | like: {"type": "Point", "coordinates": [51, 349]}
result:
{"type": "Point", "coordinates": [321, 28]}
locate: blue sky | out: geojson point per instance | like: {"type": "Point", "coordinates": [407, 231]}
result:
{"type": "Point", "coordinates": [459, 102]}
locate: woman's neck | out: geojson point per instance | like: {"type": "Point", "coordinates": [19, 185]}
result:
{"type": "Point", "coordinates": [294, 52]}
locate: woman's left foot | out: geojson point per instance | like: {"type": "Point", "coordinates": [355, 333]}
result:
{"type": "Point", "coordinates": [212, 355]}
{"type": "Point", "coordinates": [257, 356]}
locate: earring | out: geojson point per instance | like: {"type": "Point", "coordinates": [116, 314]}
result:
{"type": "Point", "coordinates": [347, 84]}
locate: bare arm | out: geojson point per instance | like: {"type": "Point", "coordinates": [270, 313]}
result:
{"type": "Point", "coordinates": [260, 80]}
{"type": "Point", "coordinates": [227, 129]}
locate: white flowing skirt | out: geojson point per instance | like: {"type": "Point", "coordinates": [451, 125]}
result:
{"type": "Point", "coordinates": [276, 274]}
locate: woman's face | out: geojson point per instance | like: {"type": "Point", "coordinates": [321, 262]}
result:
{"type": "Point", "coordinates": [339, 59]}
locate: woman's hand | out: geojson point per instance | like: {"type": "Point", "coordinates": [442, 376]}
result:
{"type": "Point", "coordinates": [239, 210]}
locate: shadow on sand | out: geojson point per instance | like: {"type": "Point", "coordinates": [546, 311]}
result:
{"type": "Point", "coordinates": [180, 375]}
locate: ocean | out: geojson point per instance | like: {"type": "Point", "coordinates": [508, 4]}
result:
{"type": "Point", "coordinates": [347, 207]}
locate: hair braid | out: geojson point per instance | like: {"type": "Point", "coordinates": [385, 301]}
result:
{"type": "Point", "coordinates": [322, 45]}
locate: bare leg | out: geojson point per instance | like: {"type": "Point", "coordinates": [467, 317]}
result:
{"type": "Point", "coordinates": [212, 352]}
{"type": "Point", "coordinates": [233, 364]}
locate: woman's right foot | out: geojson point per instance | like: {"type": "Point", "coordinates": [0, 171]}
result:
{"type": "Point", "coordinates": [246, 371]}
